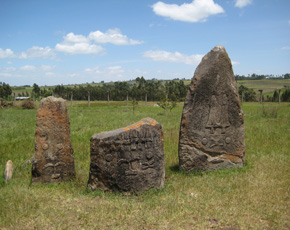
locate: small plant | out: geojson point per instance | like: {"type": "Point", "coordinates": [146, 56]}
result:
{"type": "Point", "coordinates": [28, 105]}
{"type": "Point", "coordinates": [167, 104]}
{"type": "Point", "coordinates": [135, 104]}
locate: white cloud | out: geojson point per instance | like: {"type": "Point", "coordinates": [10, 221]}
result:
{"type": "Point", "coordinates": [8, 53]}
{"type": "Point", "coordinates": [285, 48]}
{"type": "Point", "coordinates": [160, 55]}
{"type": "Point", "coordinates": [74, 44]}
{"type": "Point", "coordinates": [94, 70]}
{"type": "Point", "coordinates": [28, 68]}
{"type": "Point", "coordinates": [73, 38]}
{"type": "Point", "coordinates": [77, 44]}
{"type": "Point", "coordinates": [5, 74]}
{"type": "Point", "coordinates": [37, 52]}
{"type": "Point", "coordinates": [243, 3]}
{"type": "Point", "coordinates": [235, 63]}
{"type": "Point", "coordinates": [78, 48]}
{"type": "Point", "coordinates": [115, 70]}
{"type": "Point", "coordinates": [113, 36]}
{"type": "Point", "coordinates": [46, 67]}
{"type": "Point", "coordinates": [197, 11]}
{"type": "Point", "coordinates": [9, 69]}
{"type": "Point", "coordinates": [50, 74]}
{"type": "Point", "coordinates": [108, 73]}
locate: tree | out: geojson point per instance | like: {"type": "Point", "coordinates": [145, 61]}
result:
{"type": "Point", "coordinates": [36, 89]}
{"type": "Point", "coordinates": [249, 94]}
{"type": "Point", "coordinates": [5, 90]}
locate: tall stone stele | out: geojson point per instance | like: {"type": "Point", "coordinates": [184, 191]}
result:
{"type": "Point", "coordinates": [53, 158]}
{"type": "Point", "coordinates": [129, 159]}
{"type": "Point", "coordinates": [212, 125]}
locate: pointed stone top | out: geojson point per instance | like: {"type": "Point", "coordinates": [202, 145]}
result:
{"type": "Point", "coordinates": [211, 59]}
{"type": "Point", "coordinates": [219, 49]}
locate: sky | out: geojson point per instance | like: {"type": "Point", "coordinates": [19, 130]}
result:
{"type": "Point", "coordinates": [50, 42]}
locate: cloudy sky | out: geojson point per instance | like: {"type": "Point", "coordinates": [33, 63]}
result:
{"type": "Point", "coordinates": [73, 41]}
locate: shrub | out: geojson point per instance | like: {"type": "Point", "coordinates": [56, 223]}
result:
{"type": "Point", "coordinates": [28, 105]}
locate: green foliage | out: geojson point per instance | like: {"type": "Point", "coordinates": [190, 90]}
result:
{"type": "Point", "coordinates": [5, 90]}
{"type": "Point", "coordinates": [246, 93]}
{"type": "Point", "coordinates": [167, 104]}
{"type": "Point", "coordinates": [36, 89]}
{"type": "Point", "coordinates": [286, 95]}
{"type": "Point", "coordinates": [155, 90]}
{"type": "Point", "coordinates": [134, 105]}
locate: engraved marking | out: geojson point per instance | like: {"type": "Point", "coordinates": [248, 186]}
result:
{"type": "Point", "coordinates": [204, 141]}
{"type": "Point", "coordinates": [45, 146]}
{"type": "Point", "coordinates": [59, 146]}
{"type": "Point", "coordinates": [109, 157]}
{"type": "Point", "coordinates": [228, 140]}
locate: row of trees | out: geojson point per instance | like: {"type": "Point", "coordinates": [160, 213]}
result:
{"type": "Point", "coordinates": [261, 77]}
{"type": "Point", "coordinates": [150, 90]}
{"type": "Point", "coordinates": [140, 90]}
{"type": "Point", "coordinates": [284, 96]}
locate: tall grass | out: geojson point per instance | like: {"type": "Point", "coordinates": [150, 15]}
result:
{"type": "Point", "coordinates": [254, 197]}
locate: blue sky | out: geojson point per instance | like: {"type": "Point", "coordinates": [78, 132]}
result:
{"type": "Point", "coordinates": [67, 42]}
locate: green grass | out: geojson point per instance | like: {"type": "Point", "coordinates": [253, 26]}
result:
{"type": "Point", "coordinates": [267, 85]}
{"type": "Point", "coordinates": [254, 197]}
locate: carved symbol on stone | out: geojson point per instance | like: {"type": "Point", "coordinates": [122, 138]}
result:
{"type": "Point", "coordinates": [132, 169]}
{"type": "Point", "coordinates": [53, 169]}
{"type": "Point", "coordinates": [216, 141]}
{"type": "Point", "coordinates": [228, 140]}
{"type": "Point", "coordinates": [218, 115]}
{"type": "Point", "coordinates": [204, 141]}
{"type": "Point", "coordinates": [149, 155]}
{"type": "Point", "coordinates": [59, 146]}
{"type": "Point", "coordinates": [44, 146]}
{"type": "Point", "coordinates": [109, 157]}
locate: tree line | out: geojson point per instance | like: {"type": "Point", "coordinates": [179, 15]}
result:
{"type": "Point", "coordinates": [140, 90]}
{"type": "Point", "coordinates": [261, 77]}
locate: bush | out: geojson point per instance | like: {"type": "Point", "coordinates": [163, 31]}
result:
{"type": "Point", "coordinates": [28, 105]}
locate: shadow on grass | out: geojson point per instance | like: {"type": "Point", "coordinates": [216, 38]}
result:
{"type": "Point", "coordinates": [221, 172]}
{"type": "Point", "coordinates": [175, 169]}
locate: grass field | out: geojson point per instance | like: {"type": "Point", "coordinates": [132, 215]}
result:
{"type": "Point", "coordinates": [254, 197]}
{"type": "Point", "coordinates": [267, 85]}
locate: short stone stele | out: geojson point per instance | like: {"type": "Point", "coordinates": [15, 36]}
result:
{"type": "Point", "coordinates": [53, 158]}
{"type": "Point", "coordinates": [212, 125]}
{"type": "Point", "coordinates": [129, 159]}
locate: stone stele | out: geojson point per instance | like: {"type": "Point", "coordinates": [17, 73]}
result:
{"type": "Point", "coordinates": [129, 159]}
{"type": "Point", "coordinates": [212, 125]}
{"type": "Point", "coordinates": [53, 158]}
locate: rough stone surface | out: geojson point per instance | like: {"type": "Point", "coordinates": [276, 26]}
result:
{"type": "Point", "coordinates": [53, 158]}
{"type": "Point", "coordinates": [212, 125]}
{"type": "Point", "coordinates": [129, 159]}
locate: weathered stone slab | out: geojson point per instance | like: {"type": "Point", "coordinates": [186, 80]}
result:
{"type": "Point", "coordinates": [53, 158]}
{"type": "Point", "coordinates": [212, 125]}
{"type": "Point", "coordinates": [129, 159]}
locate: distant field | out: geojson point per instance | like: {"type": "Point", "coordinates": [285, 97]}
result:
{"type": "Point", "coordinates": [254, 197]}
{"type": "Point", "coordinates": [268, 85]}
